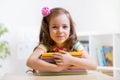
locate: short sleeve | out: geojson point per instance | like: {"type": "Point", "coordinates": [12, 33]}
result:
{"type": "Point", "coordinates": [43, 47]}
{"type": "Point", "coordinates": [78, 46]}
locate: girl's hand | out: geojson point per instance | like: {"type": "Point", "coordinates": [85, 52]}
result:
{"type": "Point", "coordinates": [62, 59]}
{"type": "Point", "coordinates": [60, 68]}
{"type": "Point", "coordinates": [73, 67]}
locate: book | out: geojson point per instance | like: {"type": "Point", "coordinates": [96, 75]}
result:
{"type": "Point", "coordinates": [100, 55]}
{"type": "Point", "coordinates": [108, 55]}
{"type": "Point", "coordinates": [68, 72]}
{"type": "Point", "coordinates": [49, 55]}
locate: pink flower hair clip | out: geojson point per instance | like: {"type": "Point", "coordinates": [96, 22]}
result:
{"type": "Point", "coordinates": [45, 11]}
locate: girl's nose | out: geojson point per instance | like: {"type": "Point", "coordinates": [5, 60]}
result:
{"type": "Point", "coordinates": [60, 29]}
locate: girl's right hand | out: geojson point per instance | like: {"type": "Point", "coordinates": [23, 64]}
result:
{"type": "Point", "coordinates": [63, 59]}
{"type": "Point", "coordinates": [59, 68]}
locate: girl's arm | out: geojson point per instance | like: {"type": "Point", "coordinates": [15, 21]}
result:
{"type": "Point", "coordinates": [36, 63]}
{"type": "Point", "coordinates": [85, 62]}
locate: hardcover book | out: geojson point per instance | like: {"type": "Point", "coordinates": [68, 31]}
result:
{"type": "Point", "coordinates": [108, 55]}
{"type": "Point", "coordinates": [68, 72]}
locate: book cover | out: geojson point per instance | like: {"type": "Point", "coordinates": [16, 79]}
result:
{"type": "Point", "coordinates": [101, 58]}
{"type": "Point", "coordinates": [49, 55]}
{"type": "Point", "coordinates": [108, 55]}
{"type": "Point", "coordinates": [68, 72]}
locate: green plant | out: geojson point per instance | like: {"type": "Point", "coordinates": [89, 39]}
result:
{"type": "Point", "coordinates": [4, 51]}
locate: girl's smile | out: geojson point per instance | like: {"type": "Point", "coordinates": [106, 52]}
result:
{"type": "Point", "coordinates": [60, 37]}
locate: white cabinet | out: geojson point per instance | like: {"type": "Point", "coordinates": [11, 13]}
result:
{"type": "Point", "coordinates": [99, 40]}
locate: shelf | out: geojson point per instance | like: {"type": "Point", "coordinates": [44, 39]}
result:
{"type": "Point", "coordinates": [100, 40]}
{"type": "Point", "coordinates": [105, 68]}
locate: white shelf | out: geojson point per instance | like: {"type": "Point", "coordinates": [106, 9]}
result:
{"type": "Point", "coordinates": [105, 68]}
{"type": "Point", "coordinates": [98, 40]}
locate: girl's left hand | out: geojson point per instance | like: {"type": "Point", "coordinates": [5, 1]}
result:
{"type": "Point", "coordinates": [62, 59]}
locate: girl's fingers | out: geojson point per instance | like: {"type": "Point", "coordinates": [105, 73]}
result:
{"type": "Point", "coordinates": [60, 63]}
{"type": "Point", "coordinates": [56, 55]}
{"type": "Point", "coordinates": [58, 60]}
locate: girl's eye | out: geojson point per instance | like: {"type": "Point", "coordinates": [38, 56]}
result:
{"type": "Point", "coordinates": [54, 27]}
{"type": "Point", "coordinates": [65, 27]}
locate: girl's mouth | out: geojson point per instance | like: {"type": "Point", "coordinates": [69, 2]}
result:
{"type": "Point", "coordinates": [60, 36]}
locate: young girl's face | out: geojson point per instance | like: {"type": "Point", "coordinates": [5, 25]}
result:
{"type": "Point", "coordinates": [59, 29]}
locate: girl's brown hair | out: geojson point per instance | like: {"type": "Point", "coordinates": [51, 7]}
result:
{"type": "Point", "coordinates": [44, 36]}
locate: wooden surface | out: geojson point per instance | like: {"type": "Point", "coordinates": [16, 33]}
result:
{"type": "Point", "coordinates": [92, 75]}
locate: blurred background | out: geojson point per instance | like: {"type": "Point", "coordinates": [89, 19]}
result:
{"type": "Point", "coordinates": [22, 18]}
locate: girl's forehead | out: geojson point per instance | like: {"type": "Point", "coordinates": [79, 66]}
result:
{"type": "Point", "coordinates": [63, 18]}
{"type": "Point", "coordinates": [58, 14]}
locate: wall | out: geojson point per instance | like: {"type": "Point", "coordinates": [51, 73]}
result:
{"type": "Point", "coordinates": [22, 18]}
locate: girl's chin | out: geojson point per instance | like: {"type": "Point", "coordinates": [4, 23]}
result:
{"type": "Point", "coordinates": [60, 42]}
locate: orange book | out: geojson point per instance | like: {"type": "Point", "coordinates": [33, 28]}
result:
{"type": "Point", "coordinates": [49, 55]}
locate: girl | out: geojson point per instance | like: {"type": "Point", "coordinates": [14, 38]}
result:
{"type": "Point", "coordinates": [58, 32]}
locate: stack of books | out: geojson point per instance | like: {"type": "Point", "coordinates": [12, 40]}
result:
{"type": "Point", "coordinates": [48, 57]}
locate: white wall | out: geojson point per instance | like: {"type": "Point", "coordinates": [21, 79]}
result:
{"type": "Point", "coordinates": [22, 18]}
